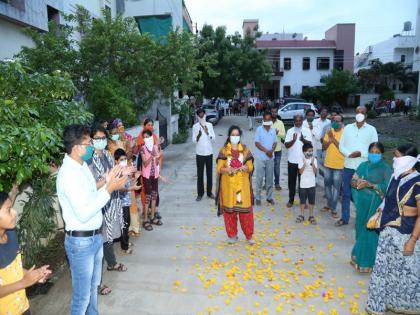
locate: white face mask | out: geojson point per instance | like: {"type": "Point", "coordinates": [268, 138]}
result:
{"type": "Point", "coordinates": [404, 164]}
{"type": "Point", "coordinates": [235, 139]}
{"type": "Point", "coordinates": [99, 144]}
{"type": "Point", "coordinates": [360, 117]}
{"type": "Point", "coordinates": [202, 121]}
{"type": "Point", "coordinates": [123, 163]}
{"type": "Point", "coordinates": [267, 123]}
{"type": "Point", "coordinates": [149, 143]}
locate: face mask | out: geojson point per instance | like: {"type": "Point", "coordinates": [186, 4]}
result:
{"type": "Point", "coordinates": [360, 117]}
{"type": "Point", "coordinates": [335, 125]}
{"type": "Point", "coordinates": [88, 154]}
{"type": "Point", "coordinates": [123, 163]}
{"type": "Point", "coordinates": [374, 157]}
{"type": "Point", "coordinates": [310, 119]}
{"type": "Point", "coordinates": [149, 143]}
{"type": "Point", "coordinates": [235, 139]}
{"type": "Point", "coordinates": [267, 123]}
{"type": "Point", "coordinates": [403, 164]}
{"type": "Point", "coordinates": [115, 137]}
{"type": "Point", "coordinates": [99, 144]}
{"type": "Point", "coordinates": [202, 120]}
{"type": "Point", "coordinates": [308, 154]}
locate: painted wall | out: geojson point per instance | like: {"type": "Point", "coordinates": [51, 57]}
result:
{"type": "Point", "coordinates": [344, 36]}
{"type": "Point", "coordinates": [297, 77]}
{"type": "Point", "coordinates": [156, 7]}
{"type": "Point", "coordinates": [12, 39]}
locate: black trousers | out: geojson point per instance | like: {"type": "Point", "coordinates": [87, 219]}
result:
{"type": "Point", "coordinates": [204, 160]}
{"type": "Point", "coordinates": [293, 176]}
{"type": "Point", "coordinates": [124, 235]}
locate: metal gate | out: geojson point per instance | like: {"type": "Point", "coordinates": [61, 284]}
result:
{"type": "Point", "coordinates": [163, 128]}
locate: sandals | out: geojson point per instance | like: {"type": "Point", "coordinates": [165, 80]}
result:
{"type": "Point", "coordinates": [147, 226]}
{"type": "Point", "coordinates": [300, 219]}
{"type": "Point", "coordinates": [103, 289]}
{"type": "Point", "coordinates": [118, 267]}
{"type": "Point", "coordinates": [334, 214]}
{"type": "Point", "coordinates": [128, 251]}
{"type": "Point", "coordinates": [326, 209]}
{"type": "Point", "coordinates": [340, 223]}
{"type": "Point", "coordinates": [312, 220]}
{"type": "Point", "coordinates": [156, 221]}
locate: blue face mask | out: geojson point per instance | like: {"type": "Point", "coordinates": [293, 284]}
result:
{"type": "Point", "coordinates": [374, 157]}
{"type": "Point", "coordinates": [88, 154]}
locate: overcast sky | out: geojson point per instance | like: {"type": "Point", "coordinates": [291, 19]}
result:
{"type": "Point", "coordinates": [376, 20]}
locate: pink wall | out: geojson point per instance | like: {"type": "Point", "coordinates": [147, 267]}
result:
{"type": "Point", "coordinates": [344, 36]}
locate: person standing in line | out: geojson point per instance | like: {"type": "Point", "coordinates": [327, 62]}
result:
{"type": "Point", "coordinates": [319, 125]}
{"type": "Point", "coordinates": [354, 146]}
{"type": "Point", "coordinates": [393, 107]}
{"type": "Point", "coordinates": [202, 136]}
{"type": "Point", "coordinates": [334, 164]}
{"type": "Point", "coordinates": [251, 115]}
{"type": "Point", "coordinates": [407, 105]}
{"type": "Point", "coordinates": [327, 127]}
{"type": "Point", "coordinates": [81, 203]}
{"type": "Point", "coordinates": [296, 137]}
{"type": "Point", "coordinates": [266, 142]}
{"type": "Point", "coordinates": [280, 133]}
{"type": "Point", "coordinates": [235, 165]}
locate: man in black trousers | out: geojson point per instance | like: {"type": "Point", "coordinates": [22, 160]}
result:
{"type": "Point", "coordinates": [202, 136]}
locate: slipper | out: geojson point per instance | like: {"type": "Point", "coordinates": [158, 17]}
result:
{"type": "Point", "coordinates": [334, 214]}
{"type": "Point", "coordinates": [117, 267]}
{"type": "Point", "coordinates": [325, 209]}
{"type": "Point", "coordinates": [103, 290]}
{"type": "Point", "coordinates": [300, 219]}
{"type": "Point", "coordinates": [340, 223]}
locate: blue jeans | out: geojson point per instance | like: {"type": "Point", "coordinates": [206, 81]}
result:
{"type": "Point", "coordinates": [345, 205]}
{"type": "Point", "coordinates": [85, 257]}
{"type": "Point", "coordinates": [332, 182]}
{"type": "Point", "coordinates": [277, 159]}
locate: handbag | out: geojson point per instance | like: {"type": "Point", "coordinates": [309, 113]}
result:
{"type": "Point", "coordinates": [374, 221]}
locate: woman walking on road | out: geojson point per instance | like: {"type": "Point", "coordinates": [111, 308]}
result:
{"type": "Point", "coordinates": [235, 165]}
{"type": "Point", "coordinates": [369, 186]}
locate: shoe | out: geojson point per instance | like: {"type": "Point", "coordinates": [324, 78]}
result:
{"type": "Point", "coordinates": [289, 205]}
{"type": "Point", "coordinates": [232, 240]}
{"type": "Point", "coordinates": [211, 196]}
{"type": "Point", "coordinates": [340, 223]}
{"type": "Point", "coordinates": [258, 202]}
{"type": "Point", "coordinates": [251, 242]}
{"type": "Point", "coordinates": [271, 202]}
{"type": "Point", "coordinates": [278, 187]}
{"type": "Point", "coordinates": [199, 198]}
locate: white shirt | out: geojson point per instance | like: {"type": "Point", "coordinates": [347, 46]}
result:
{"type": "Point", "coordinates": [294, 153]}
{"type": "Point", "coordinates": [317, 128]}
{"type": "Point", "coordinates": [307, 178]}
{"type": "Point", "coordinates": [357, 139]}
{"type": "Point", "coordinates": [203, 146]}
{"type": "Point", "coordinates": [80, 201]}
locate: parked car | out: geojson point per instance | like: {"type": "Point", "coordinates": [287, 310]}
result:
{"type": "Point", "coordinates": [212, 114]}
{"type": "Point", "coordinates": [288, 100]}
{"type": "Point", "coordinates": [287, 112]}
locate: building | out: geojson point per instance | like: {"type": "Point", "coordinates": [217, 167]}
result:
{"type": "Point", "coordinates": [416, 56]}
{"type": "Point", "coordinates": [159, 17]}
{"type": "Point", "coordinates": [15, 15]}
{"type": "Point", "coordinates": [299, 62]}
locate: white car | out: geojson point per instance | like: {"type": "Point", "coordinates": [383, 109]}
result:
{"type": "Point", "coordinates": [287, 112]}
{"type": "Point", "coordinates": [212, 114]}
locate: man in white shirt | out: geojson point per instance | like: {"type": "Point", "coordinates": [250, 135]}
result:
{"type": "Point", "coordinates": [81, 203]}
{"type": "Point", "coordinates": [354, 145]}
{"type": "Point", "coordinates": [203, 135]}
{"type": "Point", "coordinates": [295, 138]}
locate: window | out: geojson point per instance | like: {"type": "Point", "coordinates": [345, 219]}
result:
{"type": "Point", "coordinates": [53, 15]}
{"type": "Point", "coordinates": [287, 63]}
{"type": "Point", "coordinates": [400, 87]}
{"type": "Point", "coordinates": [286, 90]}
{"type": "Point", "coordinates": [402, 58]}
{"type": "Point", "coordinates": [306, 63]}
{"type": "Point", "coordinates": [394, 86]}
{"type": "Point", "coordinates": [339, 59]}
{"type": "Point", "coordinates": [323, 63]}
{"type": "Point", "coordinates": [107, 9]}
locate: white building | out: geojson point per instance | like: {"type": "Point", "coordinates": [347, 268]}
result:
{"type": "Point", "coordinates": [416, 56]}
{"type": "Point", "coordinates": [298, 62]}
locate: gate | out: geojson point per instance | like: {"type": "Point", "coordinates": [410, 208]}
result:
{"type": "Point", "coordinates": [163, 128]}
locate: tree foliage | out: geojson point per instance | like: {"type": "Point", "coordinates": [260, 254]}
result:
{"type": "Point", "coordinates": [34, 110]}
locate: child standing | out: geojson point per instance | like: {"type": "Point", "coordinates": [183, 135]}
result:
{"type": "Point", "coordinates": [307, 169]}
{"type": "Point", "coordinates": [121, 158]}
{"type": "Point", "coordinates": [13, 278]}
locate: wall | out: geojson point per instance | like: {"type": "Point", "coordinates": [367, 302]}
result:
{"type": "Point", "coordinates": [156, 7]}
{"type": "Point", "coordinates": [297, 77]}
{"type": "Point", "coordinates": [12, 39]}
{"type": "Point", "coordinates": [344, 36]}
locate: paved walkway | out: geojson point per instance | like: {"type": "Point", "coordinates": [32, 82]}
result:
{"type": "Point", "coordinates": [185, 267]}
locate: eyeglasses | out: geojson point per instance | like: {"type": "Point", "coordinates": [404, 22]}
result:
{"type": "Point", "coordinates": [99, 138]}
{"type": "Point", "coordinates": [90, 143]}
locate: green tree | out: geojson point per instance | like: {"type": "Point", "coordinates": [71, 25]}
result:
{"type": "Point", "coordinates": [337, 87]}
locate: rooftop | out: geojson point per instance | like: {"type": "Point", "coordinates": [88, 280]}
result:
{"type": "Point", "coordinates": [296, 44]}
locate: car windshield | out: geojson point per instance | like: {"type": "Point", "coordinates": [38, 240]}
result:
{"type": "Point", "coordinates": [209, 106]}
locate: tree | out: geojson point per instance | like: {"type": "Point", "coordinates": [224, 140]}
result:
{"type": "Point", "coordinates": [337, 87]}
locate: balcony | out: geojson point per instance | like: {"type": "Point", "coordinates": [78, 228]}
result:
{"type": "Point", "coordinates": [277, 73]}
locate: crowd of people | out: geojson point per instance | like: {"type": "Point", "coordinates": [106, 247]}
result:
{"type": "Point", "coordinates": [105, 171]}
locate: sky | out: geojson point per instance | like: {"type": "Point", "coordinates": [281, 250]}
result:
{"type": "Point", "coordinates": [376, 20]}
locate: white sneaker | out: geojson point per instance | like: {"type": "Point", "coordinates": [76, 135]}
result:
{"type": "Point", "coordinates": [251, 242]}
{"type": "Point", "coordinates": [232, 240]}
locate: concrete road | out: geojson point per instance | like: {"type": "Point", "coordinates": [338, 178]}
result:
{"type": "Point", "coordinates": [185, 266]}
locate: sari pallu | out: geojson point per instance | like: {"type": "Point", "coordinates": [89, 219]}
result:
{"type": "Point", "coordinates": [367, 201]}
{"type": "Point", "coordinates": [395, 282]}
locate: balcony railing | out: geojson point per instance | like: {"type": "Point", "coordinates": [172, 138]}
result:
{"type": "Point", "coordinates": [277, 72]}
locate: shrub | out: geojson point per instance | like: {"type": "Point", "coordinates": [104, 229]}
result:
{"type": "Point", "coordinates": [372, 114]}
{"type": "Point", "coordinates": [180, 137]}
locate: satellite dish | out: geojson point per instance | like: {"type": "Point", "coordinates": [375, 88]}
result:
{"type": "Point", "coordinates": [407, 26]}
{"type": "Point", "coordinates": [294, 35]}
